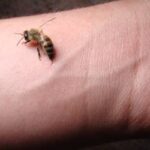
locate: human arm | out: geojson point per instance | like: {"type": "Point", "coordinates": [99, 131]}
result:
{"type": "Point", "coordinates": [98, 80]}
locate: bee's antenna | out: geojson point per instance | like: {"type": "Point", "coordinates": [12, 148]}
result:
{"type": "Point", "coordinates": [19, 33]}
{"type": "Point", "coordinates": [46, 22]}
{"type": "Point", "coordinates": [20, 41]}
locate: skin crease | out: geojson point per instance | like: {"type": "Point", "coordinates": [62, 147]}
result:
{"type": "Point", "coordinates": [98, 80]}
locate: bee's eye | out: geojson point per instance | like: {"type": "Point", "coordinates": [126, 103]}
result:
{"type": "Point", "coordinates": [26, 35]}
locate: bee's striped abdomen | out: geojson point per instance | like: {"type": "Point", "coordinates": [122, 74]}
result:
{"type": "Point", "coordinates": [48, 46]}
{"type": "Point", "coordinates": [49, 50]}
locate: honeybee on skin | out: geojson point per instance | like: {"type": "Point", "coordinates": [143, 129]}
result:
{"type": "Point", "coordinates": [44, 43]}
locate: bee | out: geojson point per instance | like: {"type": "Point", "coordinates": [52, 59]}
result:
{"type": "Point", "coordinates": [43, 41]}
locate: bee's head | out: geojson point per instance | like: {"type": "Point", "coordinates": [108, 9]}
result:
{"type": "Point", "coordinates": [26, 35]}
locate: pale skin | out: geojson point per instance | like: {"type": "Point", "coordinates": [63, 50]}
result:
{"type": "Point", "coordinates": [97, 83]}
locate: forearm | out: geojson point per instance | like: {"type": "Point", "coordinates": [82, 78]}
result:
{"type": "Point", "coordinates": [140, 94]}
{"type": "Point", "coordinates": [86, 88]}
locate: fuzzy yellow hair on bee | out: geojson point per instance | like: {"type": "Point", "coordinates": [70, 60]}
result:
{"type": "Point", "coordinates": [43, 41]}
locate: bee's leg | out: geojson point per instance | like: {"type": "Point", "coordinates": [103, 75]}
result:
{"type": "Point", "coordinates": [38, 50]}
{"type": "Point", "coordinates": [44, 51]}
{"type": "Point", "coordinates": [41, 47]}
{"type": "Point", "coordinates": [25, 42]}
